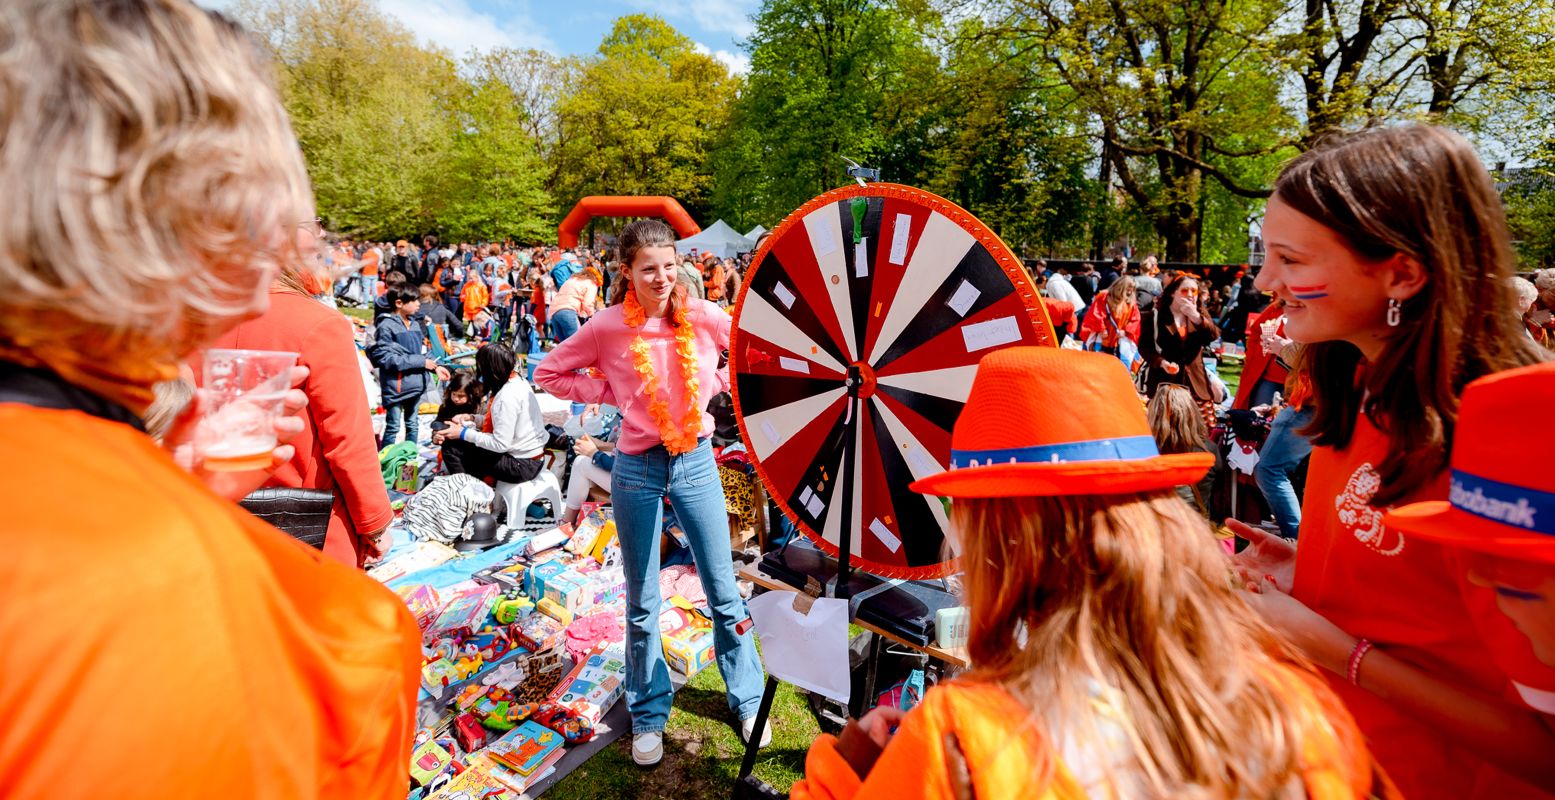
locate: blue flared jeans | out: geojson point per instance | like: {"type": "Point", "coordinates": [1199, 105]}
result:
{"type": "Point", "coordinates": [639, 485]}
{"type": "Point", "coordinates": [1281, 456]}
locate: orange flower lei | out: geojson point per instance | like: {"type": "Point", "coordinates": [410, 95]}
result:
{"type": "Point", "coordinates": [678, 437]}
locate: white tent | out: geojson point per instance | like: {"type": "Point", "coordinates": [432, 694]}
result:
{"type": "Point", "coordinates": [718, 239]}
{"type": "Point", "coordinates": [755, 233]}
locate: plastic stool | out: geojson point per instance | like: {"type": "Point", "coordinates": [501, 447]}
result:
{"type": "Point", "coordinates": [520, 496]}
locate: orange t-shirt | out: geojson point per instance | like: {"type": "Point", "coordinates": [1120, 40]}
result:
{"type": "Point", "coordinates": [1004, 749]}
{"type": "Point", "coordinates": [1408, 596]}
{"type": "Point", "coordinates": [160, 642]}
{"type": "Point", "coordinates": [370, 261]}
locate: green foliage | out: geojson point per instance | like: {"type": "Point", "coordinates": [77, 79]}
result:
{"type": "Point", "coordinates": [642, 117]}
{"type": "Point", "coordinates": [490, 186]}
{"type": "Point", "coordinates": [397, 142]}
{"type": "Point", "coordinates": [1530, 211]}
{"type": "Point", "coordinates": [1072, 127]}
{"type": "Point", "coordinates": [829, 79]}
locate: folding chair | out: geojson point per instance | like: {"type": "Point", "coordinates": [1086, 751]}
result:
{"type": "Point", "coordinates": [437, 339]}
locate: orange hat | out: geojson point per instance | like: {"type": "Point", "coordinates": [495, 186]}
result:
{"type": "Point", "coordinates": [1502, 495]}
{"type": "Point", "coordinates": [1047, 421]}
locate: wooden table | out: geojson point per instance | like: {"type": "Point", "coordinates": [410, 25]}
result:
{"type": "Point", "coordinates": [955, 656]}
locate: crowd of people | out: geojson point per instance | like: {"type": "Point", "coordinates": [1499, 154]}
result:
{"type": "Point", "coordinates": [163, 642]}
{"type": "Point", "coordinates": [479, 288]}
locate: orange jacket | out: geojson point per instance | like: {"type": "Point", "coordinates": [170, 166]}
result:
{"type": "Point", "coordinates": [474, 297]}
{"type": "Point", "coordinates": [336, 449]}
{"type": "Point", "coordinates": [159, 642]}
{"type": "Point", "coordinates": [1096, 323]}
{"type": "Point", "coordinates": [713, 281]}
{"type": "Point", "coordinates": [1259, 364]}
{"type": "Point", "coordinates": [1001, 762]}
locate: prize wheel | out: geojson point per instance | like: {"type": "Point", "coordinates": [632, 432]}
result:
{"type": "Point", "coordinates": [907, 290]}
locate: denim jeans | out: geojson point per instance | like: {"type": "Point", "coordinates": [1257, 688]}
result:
{"type": "Point", "coordinates": [1281, 455]}
{"type": "Point", "coordinates": [391, 421]}
{"type": "Point", "coordinates": [690, 481]}
{"type": "Point", "coordinates": [565, 323]}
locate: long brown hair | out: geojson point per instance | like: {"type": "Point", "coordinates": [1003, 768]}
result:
{"type": "Point", "coordinates": [1131, 593]}
{"type": "Point", "coordinates": [1163, 308]}
{"type": "Point", "coordinates": [1420, 191]}
{"type": "Point", "coordinates": [634, 237]}
{"type": "Point", "coordinates": [1176, 421]}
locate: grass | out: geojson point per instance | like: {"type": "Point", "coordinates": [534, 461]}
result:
{"type": "Point", "coordinates": [365, 314]}
{"type": "Point", "coordinates": [1231, 372]}
{"type": "Point", "coordinates": [702, 750]}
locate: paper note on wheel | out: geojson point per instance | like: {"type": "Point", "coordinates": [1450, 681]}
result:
{"type": "Point", "coordinates": [807, 650]}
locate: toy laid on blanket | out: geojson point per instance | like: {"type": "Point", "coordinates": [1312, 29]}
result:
{"type": "Point", "coordinates": [500, 710]}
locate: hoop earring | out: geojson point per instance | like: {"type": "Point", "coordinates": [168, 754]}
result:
{"type": "Point", "coordinates": [1395, 312]}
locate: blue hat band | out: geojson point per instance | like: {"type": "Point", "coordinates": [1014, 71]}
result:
{"type": "Point", "coordinates": [1127, 448]}
{"type": "Point", "coordinates": [1516, 506]}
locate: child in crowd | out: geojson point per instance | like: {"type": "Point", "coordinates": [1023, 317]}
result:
{"type": "Point", "coordinates": [381, 305]}
{"type": "Point", "coordinates": [462, 395]}
{"type": "Point", "coordinates": [1178, 427]}
{"type": "Point", "coordinates": [473, 296]}
{"type": "Point", "coordinates": [399, 352]}
{"type": "Point", "coordinates": [1391, 254]}
{"type": "Point", "coordinates": [436, 313]}
{"type": "Point", "coordinates": [574, 302]}
{"type": "Point", "coordinates": [665, 452]}
{"type": "Point", "coordinates": [1111, 655]}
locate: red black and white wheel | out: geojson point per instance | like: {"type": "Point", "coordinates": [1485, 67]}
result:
{"type": "Point", "coordinates": [912, 291]}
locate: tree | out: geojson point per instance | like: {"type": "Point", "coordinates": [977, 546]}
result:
{"type": "Point", "coordinates": [1173, 92]}
{"type": "Point", "coordinates": [828, 79]}
{"type": "Point", "coordinates": [538, 80]}
{"type": "Point", "coordinates": [1363, 62]}
{"type": "Point", "coordinates": [642, 117]}
{"type": "Point", "coordinates": [995, 146]}
{"type": "Point", "coordinates": [396, 141]}
{"type": "Point", "coordinates": [491, 184]}
{"type": "Point", "coordinates": [369, 107]}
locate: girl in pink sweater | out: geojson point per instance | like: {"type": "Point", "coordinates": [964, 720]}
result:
{"type": "Point", "coordinates": [655, 356]}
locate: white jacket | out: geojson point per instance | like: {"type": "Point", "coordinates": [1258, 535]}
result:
{"type": "Point", "coordinates": [517, 426]}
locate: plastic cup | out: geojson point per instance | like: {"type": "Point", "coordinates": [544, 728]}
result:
{"type": "Point", "coordinates": [244, 393]}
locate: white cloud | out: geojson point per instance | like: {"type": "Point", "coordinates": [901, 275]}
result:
{"type": "Point", "coordinates": [738, 63]}
{"type": "Point", "coordinates": [457, 27]}
{"type": "Point", "coordinates": [715, 16]}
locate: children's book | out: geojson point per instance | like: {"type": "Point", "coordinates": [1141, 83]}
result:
{"type": "Point", "coordinates": [526, 749]}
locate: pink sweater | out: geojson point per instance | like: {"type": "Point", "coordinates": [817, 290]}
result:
{"type": "Point", "coordinates": [578, 294]}
{"type": "Point", "coordinates": [603, 344]}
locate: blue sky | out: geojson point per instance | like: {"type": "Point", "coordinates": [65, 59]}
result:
{"type": "Point", "coordinates": [566, 27]}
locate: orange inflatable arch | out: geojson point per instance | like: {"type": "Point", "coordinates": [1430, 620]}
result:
{"type": "Point", "coordinates": [623, 206]}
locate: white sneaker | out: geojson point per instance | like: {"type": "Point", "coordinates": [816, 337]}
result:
{"type": "Point", "coordinates": [647, 748]}
{"type": "Point", "coordinates": [748, 726]}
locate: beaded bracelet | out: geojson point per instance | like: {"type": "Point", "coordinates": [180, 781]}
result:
{"type": "Point", "coordinates": [1353, 670]}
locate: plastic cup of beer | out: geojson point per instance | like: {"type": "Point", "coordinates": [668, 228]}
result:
{"type": "Point", "coordinates": [244, 394]}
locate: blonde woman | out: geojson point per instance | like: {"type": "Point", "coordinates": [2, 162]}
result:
{"type": "Point", "coordinates": [1112, 324]}
{"type": "Point", "coordinates": [163, 188]}
{"type": "Point", "coordinates": [1111, 655]}
{"type": "Point", "coordinates": [1178, 427]}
